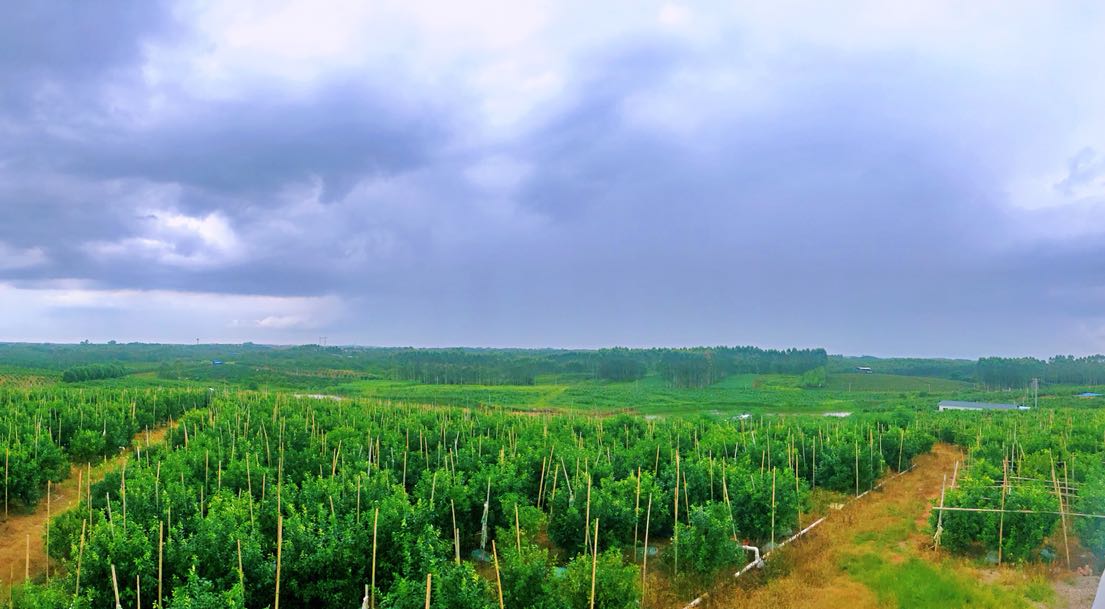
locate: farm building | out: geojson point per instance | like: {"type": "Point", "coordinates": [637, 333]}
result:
{"type": "Point", "coordinates": [864, 369]}
{"type": "Point", "coordinates": [958, 405]}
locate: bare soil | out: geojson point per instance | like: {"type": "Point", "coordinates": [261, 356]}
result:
{"type": "Point", "coordinates": [22, 533]}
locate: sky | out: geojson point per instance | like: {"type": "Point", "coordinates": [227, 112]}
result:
{"type": "Point", "coordinates": [870, 177]}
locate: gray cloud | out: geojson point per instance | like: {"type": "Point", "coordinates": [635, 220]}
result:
{"type": "Point", "coordinates": [672, 191]}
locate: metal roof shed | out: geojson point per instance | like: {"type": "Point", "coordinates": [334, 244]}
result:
{"type": "Point", "coordinates": [959, 405]}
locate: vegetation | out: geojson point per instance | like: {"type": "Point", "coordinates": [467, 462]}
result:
{"type": "Point", "coordinates": [1018, 472]}
{"type": "Point", "coordinates": [93, 372]}
{"type": "Point", "coordinates": [334, 465]}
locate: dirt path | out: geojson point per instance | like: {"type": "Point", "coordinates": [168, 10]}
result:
{"type": "Point", "coordinates": [809, 573]}
{"type": "Point", "coordinates": [22, 534]}
{"type": "Point", "coordinates": [877, 553]}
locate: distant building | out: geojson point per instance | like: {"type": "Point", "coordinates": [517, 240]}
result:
{"type": "Point", "coordinates": [957, 405]}
{"type": "Point", "coordinates": [216, 362]}
{"type": "Point", "coordinates": [864, 369]}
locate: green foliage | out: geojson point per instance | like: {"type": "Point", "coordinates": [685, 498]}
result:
{"type": "Point", "coordinates": [979, 532]}
{"type": "Point", "coordinates": [706, 544]}
{"type": "Point", "coordinates": [199, 593]}
{"type": "Point", "coordinates": [617, 586]}
{"type": "Point", "coordinates": [527, 578]}
{"type": "Point", "coordinates": [86, 445]}
{"type": "Point", "coordinates": [814, 378]}
{"type": "Point", "coordinates": [93, 372]}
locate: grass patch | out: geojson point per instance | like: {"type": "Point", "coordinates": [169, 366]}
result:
{"type": "Point", "coordinates": [916, 584]}
{"type": "Point", "coordinates": [857, 381]}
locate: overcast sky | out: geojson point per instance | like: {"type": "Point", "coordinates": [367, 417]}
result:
{"type": "Point", "coordinates": [919, 179]}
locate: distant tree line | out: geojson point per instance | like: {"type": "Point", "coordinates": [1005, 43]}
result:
{"type": "Point", "coordinates": [1019, 371]}
{"type": "Point", "coordinates": [700, 367]}
{"type": "Point", "coordinates": [954, 369]}
{"type": "Point", "coordinates": [691, 367]}
{"type": "Point", "coordinates": [93, 372]}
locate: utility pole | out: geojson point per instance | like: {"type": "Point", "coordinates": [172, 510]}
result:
{"type": "Point", "coordinates": [1035, 393]}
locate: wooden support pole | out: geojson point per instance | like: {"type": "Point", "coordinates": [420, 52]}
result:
{"type": "Point", "coordinates": [773, 506]}
{"type": "Point", "coordinates": [594, 563]}
{"type": "Point", "coordinates": [49, 486]}
{"type": "Point", "coordinates": [1001, 517]}
{"type": "Point", "coordinates": [375, 520]}
{"type": "Point", "coordinates": [498, 579]}
{"type": "Point", "coordinates": [675, 519]}
{"type": "Point", "coordinates": [80, 555]}
{"type": "Point", "coordinates": [644, 555]}
{"type": "Point", "coordinates": [517, 530]}
{"type": "Point", "coordinates": [1062, 513]}
{"type": "Point", "coordinates": [161, 560]}
{"type": "Point", "coordinates": [115, 587]}
{"type": "Point", "coordinates": [940, 515]}
{"type": "Point", "coordinates": [636, 512]}
{"type": "Point", "coordinates": [241, 570]}
{"type": "Point", "coordinates": [456, 533]}
{"type": "Point", "coordinates": [428, 577]}
{"type": "Point", "coordinates": [279, 544]}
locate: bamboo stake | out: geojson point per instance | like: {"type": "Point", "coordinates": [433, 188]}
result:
{"type": "Point", "coordinates": [375, 519]}
{"type": "Point", "coordinates": [541, 483]}
{"type": "Point", "coordinates": [636, 512]}
{"type": "Point", "coordinates": [940, 515]}
{"type": "Point", "coordinates": [241, 571]}
{"type": "Point", "coordinates": [428, 576]}
{"type": "Point", "coordinates": [594, 563]}
{"type": "Point", "coordinates": [115, 587]}
{"type": "Point", "coordinates": [517, 530]}
{"type": "Point", "coordinates": [773, 506]}
{"type": "Point", "coordinates": [456, 533]}
{"type": "Point", "coordinates": [587, 516]}
{"type": "Point", "coordinates": [80, 555]}
{"type": "Point", "coordinates": [857, 467]}
{"type": "Point", "coordinates": [644, 558]}
{"type": "Point", "coordinates": [901, 447]}
{"type": "Point", "coordinates": [279, 544]}
{"type": "Point", "coordinates": [498, 580]}
{"type": "Point", "coordinates": [675, 518]}
{"type": "Point", "coordinates": [1001, 517]}
{"type": "Point", "coordinates": [161, 559]}
{"type": "Point", "coordinates": [1062, 513]}
{"type": "Point", "coordinates": [996, 511]}
{"type": "Point", "coordinates": [48, 487]}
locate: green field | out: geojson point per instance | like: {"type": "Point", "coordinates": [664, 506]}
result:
{"type": "Point", "coordinates": [737, 394]}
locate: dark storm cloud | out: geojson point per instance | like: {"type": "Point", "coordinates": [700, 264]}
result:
{"type": "Point", "coordinates": [341, 134]}
{"type": "Point", "coordinates": [78, 170]}
{"type": "Point", "coordinates": [53, 49]}
{"type": "Point", "coordinates": [830, 167]}
{"type": "Point", "coordinates": [672, 193]}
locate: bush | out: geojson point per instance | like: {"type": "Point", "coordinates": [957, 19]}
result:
{"type": "Point", "coordinates": [617, 586]}
{"type": "Point", "coordinates": [979, 532]}
{"type": "Point", "coordinates": [86, 445]}
{"type": "Point", "coordinates": [526, 578]}
{"type": "Point", "coordinates": [706, 545]}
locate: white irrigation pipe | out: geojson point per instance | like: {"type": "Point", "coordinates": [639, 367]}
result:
{"type": "Point", "coordinates": [759, 562]}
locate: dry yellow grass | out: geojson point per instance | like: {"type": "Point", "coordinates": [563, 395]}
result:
{"type": "Point", "coordinates": [807, 573]}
